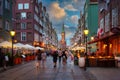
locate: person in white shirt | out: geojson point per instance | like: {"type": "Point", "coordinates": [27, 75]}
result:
{"type": "Point", "coordinates": [44, 56]}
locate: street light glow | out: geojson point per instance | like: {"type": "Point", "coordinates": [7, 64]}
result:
{"type": "Point", "coordinates": [86, 31]}
{"type": "Point", "coordinates": [12, 33]}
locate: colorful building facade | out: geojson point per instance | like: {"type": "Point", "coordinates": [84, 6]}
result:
{"type": "Point", "coordinates": [108, 36]}
{"type": "Point", "coordinates": [91, 20]}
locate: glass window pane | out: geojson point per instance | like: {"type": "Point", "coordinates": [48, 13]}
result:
{"type": "Point", "coordinates": [23, 25]}
{"type": "Point", "coordinates": [23, 36]}
{"type": "Point", "coordinates": [20, 6]}
{"type": "Point", "coordinates": [26, 6]}
{"type": "Point", "coordinates": [23, 15]}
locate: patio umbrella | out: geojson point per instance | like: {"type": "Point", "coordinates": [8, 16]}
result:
{"type": "Point", "coordinates": [39, 48]}
{"type": "Point", "coordinates": [6, 44]}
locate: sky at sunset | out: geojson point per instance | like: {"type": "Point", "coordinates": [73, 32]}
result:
{"type": "Point", "coordinates": [64, 11]}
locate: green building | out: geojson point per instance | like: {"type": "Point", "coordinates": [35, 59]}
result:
{"type": "Point", "coordinates": [91, 19]}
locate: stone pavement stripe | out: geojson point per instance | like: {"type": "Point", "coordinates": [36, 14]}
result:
{"type": "Point", "coordinates": [102, 73]}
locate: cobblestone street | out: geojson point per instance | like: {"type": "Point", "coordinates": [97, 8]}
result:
{"type": "Point", "coordinates": [29, 71]}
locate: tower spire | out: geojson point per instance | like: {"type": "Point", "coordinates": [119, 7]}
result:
{"type": "Point", "coordinates": [63, 28]}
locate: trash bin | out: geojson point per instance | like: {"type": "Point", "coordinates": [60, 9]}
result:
{"type": "Point", "coordinates": [75, 60]}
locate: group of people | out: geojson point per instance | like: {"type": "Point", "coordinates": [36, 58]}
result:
{"type": "Point", "coordinates": [57, 55]}
{"type": "Point", "coordinates": [62, 55]}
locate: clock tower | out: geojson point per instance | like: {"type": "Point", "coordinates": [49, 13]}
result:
{"type": "Point", "coordinates": [63, 41]}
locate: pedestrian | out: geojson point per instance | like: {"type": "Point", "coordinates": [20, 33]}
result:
{"type": "Point", "coordinates": [44, 56]}
{"type": "Point", "coordinates": [64, 57]}
{"type": "Point", "coordinates": [2, 59]}
{"type": "Point", "coordinates": [39, 58]}
{"type": "Point", "coordinates": [55, 56]}
{"type": "Point", "coordinates": [60, 55]}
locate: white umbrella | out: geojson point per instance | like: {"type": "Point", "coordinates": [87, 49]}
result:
{"type": "Point", "coordinates": [39, 48]}
{"type": "Point", "coordinates": [29, 46]}
{"type": "Point", "coordinates": [19, 45]}
{"type": "Point", "coordinates": [6, 44]}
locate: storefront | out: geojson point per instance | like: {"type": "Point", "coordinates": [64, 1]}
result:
{"type": "Point", "coordinates": [109, 47]}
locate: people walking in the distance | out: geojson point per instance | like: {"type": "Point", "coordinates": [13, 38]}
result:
{"type": "Point", "coordinates": [60, 55]}
{"type": "Point", "coordinates": [44, 56]}
{"type": "Point", "coordinates": [39, 58]}
{"type": "Point", "coordinates": [55, 56]}
{"type": "Point", "coordinates": [64, 57]}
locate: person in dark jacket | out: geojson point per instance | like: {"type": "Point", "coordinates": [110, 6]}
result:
{"type": "Point", "coordinates": [55, 56]}
{"type": "Point", "coordinates": [39, 58]}
{"type": "Point", "coordinates": [2, 59]}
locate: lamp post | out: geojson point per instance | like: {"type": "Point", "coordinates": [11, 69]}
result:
{"type": "Point", "coordinates": [12, 33]}
{"type": "Point", "coordinates": [86, 33]}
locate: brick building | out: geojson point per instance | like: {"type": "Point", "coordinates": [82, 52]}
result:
{"type": "Point", "coordinates": [28, 21]}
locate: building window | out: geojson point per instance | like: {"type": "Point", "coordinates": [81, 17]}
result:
{"type": "Point", "coordinates": [107, 20]}
{"type": "Point", "coordinates": [7, 4]}
{"type": "Point", "coordinates": [23, 15]}
{"type": "Point", "coordinates": [23, 25]}
{"type": "Point", "coordinates": [36, 9]}
{"type": "Point", "coordinates": [20, 6]}
{"type": "Point", "coordinates": [7, 25]}
{"type": "Point", "coordinates": [115, 17]}
{"type": "Point", "coordinates": [23, 36]}
{"type": "Point", "coordinates": [29, 15]}
{"type": "Point", "coordinates": [26, 6]}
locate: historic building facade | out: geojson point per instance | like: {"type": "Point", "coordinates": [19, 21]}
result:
{"type": "Point", "coordinates": [32, 24]}
{"type": "Point", "coordinates": [5, 19]}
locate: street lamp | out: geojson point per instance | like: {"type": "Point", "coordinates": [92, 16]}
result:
{"type": "Point", "coordinates": [12, 33]}
{"type": "Point", "coordinates": [86, 31]}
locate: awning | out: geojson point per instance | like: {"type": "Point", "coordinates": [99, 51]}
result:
{"type": "Point", "coordinates": [101, 38]}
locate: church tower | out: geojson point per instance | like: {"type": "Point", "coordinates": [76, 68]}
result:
{"type": "Point", "coordinates": [63, 41]}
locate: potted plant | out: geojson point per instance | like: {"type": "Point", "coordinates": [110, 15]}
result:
{"type": "Point", "coordinates": [17, 59]}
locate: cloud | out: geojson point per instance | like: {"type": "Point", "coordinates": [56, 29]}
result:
{"type": "Point", "coordinates": [74, 19]}
{"type": "Point", "coordinates": [69, 31]}
{"type": "Point", "coordinates": [70, 7]}
{"type": "Point", "coordinates": [79, 4]}
{"type": "Point", "coordinates": [56, 12]}
{"type": "Point", "coordinates": [76, 1]}
{"type": "Point", "coordinates": [66, 26]}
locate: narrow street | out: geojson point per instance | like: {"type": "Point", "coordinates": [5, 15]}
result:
{"type": "Point", "coordinates": [28, 71]}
